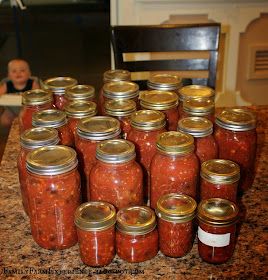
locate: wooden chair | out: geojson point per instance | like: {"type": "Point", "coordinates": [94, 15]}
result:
{"type": "Point", "coordinates": [185, 49]}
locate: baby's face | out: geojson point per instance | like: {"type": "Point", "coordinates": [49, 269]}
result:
{"type": "Point", "coordinates": [18, 71]}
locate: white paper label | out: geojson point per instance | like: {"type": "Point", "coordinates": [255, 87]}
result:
{"type": "Point", "coordinates": [213, 240]}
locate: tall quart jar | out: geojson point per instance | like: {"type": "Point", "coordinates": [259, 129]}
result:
{"type": "Point", "coordinates": [80, 93]}
{"type": "Point", "coordinates": [58, 86]}
{"type": "Point", "coordinates": [53, 186]}
{"type": "Point", "coordinates": [146, 125]}
{"type": "Point", "coordinates": [201, 129]}
{"type": "Point", "coordinates": [164, 82]}
{"type": "Point", "coordinates": [31, 139]}
{"type": "Point", "coordinates": [174, 167]}
{"type": "Point", "coordinates": [235, 133]}
{"type": "Point", "coordinates": [175, 224]}
{"type": "Point", "coordinates": [56, 119]}
{"type": "Point", "coordinates": [219, 178]}
{"type": "Point", "coordinates": [95, 223]}
{"type": "Point", "coordinates": [217, 219]}
{"type": "Point", "coordinates": [33, 101]}
{"type": "Point", "coordinates": [136, 234]}
{"type": "Point", "coordinates": [116, 177]}
{"type": "Point", "coordinates": [164, 101]}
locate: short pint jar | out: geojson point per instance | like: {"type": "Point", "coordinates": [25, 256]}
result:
{"type": "Point", "coordinates": [164, 82]}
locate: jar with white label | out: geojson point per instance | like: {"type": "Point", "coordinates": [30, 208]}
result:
{"type": "Point", "coordinates": [217, 220]}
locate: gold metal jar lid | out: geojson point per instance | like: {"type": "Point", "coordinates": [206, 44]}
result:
{"type": "Point", "coordinates": [115, 151]}
{"type": "Point", "coordinates": [236, 119]}
{"type": "Point", "coordinates": [121, 90]}
{"type": "Point", "coordinates": [136, 220]}
{"type": "Point", "coordinates": [158, 100]}
{"type": "Point", "coordinates": [178, 208]}
{"type": "Point", "coordinates": [49, 118]}
{"type": "Point", "coordinates": [220, 171]}
{"type": "Point", "coordinates": [95, 216]}
{"type": "Point", "coordinates": [116, 75]}
{"type": "Point", "coordinates": [175, 143]}
{"type": "Point", "coordinates": [199, 106]}
{"type": "Point", "coordinates": [119, 107]}
{"type": "Point", "coordinates": [51, 160]}
{"type": "Point", "coordinates": [196, 126]}
{"type": "Point", "coordinates": [193, 91]}
{"type": "Point", "coordinates": [148, 120]}
{"type": "Point", "coordinates": [164, 82]}
{"type": "Point", "coordinates": [217, 212]}
{"type": "Point", "coordinates": [36, 97]}
{"type": "Point", "coordinates": [58, 85]}
{"type": "Point", "coordinates": [38, 137]}
{"type": "Point", "coordinates": [80, 92]}
{"type": "Point", "coordinates": [81, 109]}
{"type": "Point", "coordinates": [98, 128]}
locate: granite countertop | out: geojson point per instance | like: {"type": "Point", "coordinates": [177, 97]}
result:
{"type": "Point", "coordinates": [22, 258]}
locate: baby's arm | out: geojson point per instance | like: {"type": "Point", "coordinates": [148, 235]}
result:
{"type": "Point", "coordinates": [3, 88]}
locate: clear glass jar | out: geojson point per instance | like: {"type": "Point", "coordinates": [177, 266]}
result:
{"type": "Point", "coordinates": [53, 186]}
{"type": "Point", "coordinates": [175, 224]}
{"type": "Point", "coordinates": [164, 101]}
{"type": "Point", "coordinates": [116, 177]}
{"type": "Point", "coordinates": [58, 86]}
{"type": "Point", "coordinates": [95, 223]}
{"type": "Point", "coordinates": [136, 234]}
{"type": "Point", "coordinates": [235, 133]}
{"type": "Point", "coordinates": [164, 82]}
{"type": "Point", "coordinates": [56, 119]}
{"type": "Point", "coordinates": [30, 139]}
{"type": "Point", "coordinates": [201, 129]}
{"type": "Point", "coordinates": [33, 101]}
{"type": "Point", "coordinates": [122, 110]}
{"type": "Point", "coordinates": [216, 230]}
{"type": "Point", "coordinates": [80, 93]}
{"type": "Point", "coordinates": [219, 178]}
{"type": "Point", "coordinates": [146, 125]}
{"type": "Point", "coordinates": [174, 167]}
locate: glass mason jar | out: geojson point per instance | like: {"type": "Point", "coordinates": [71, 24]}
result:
{"type": "Point", "coordinates": [146, 125]}
{"type": "Point", "coordinates": [112, 76]}
{"type": "Point", "coordinates": [201, 129]}
{"type": "Point", "coordinates": [53, 186]}
{"type": "Point", "coordinates": [216, 230]}
{"type": "Point", "coordinates": [122, 110]}
{"type": "Point", "coordinates": [56, 119]}
{"type": "Point", "coordinates": [58, 86]}
{"type": "Point", "coordinates": [95, 224]}
{"type": "Point", "coordinates": [235, 133]}
{"type": "Point", "coordinates": [116, 177]}
{"type": "Point", "coordinates": [90, 131]}
{"type": "Point", "coordinates": [219, 178]}
{"type": "Point", "coordinates": [194, 91]}
{"type": "Point", "coordinates": [136, 234]}
{"type": "Point", "coordinates": [164, 82]}
{"type": "Point", "coordinates": [164, 101]}
{"type": "Point", "coordinates": [80, 93]}
{"type": "Point", "coordinates": [174, 167]}
{"type": "Point", "coordinates": [30, 139]}
{"type": "Point", "coordinates": [175, 224]}
{"type": "Point", "coordinates": [33, 101]}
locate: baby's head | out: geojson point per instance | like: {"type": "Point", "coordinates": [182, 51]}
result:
{"type": "Point", "coordinates": [18, 71]}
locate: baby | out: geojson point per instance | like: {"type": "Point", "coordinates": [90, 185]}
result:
{"type": "Point", "coordinates": [18, 81]}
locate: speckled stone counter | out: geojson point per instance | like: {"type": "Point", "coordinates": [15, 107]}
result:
{"type": "Point", "coordinates": [22, 258]}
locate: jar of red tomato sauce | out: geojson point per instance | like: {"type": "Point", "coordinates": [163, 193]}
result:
{"type": "Point", "coordinates": [146, 125]}
{"type": "Point", "coordinates": [56, 119]}
{"type": "Point", "coordinates": [236, 135]}
{"type": "Point", "coordinates": [58, 86]}
{"type": "Point", "coordinates": [122, 110]}
{"type": "Point", "coordinates": [164, 101]}
{"type": "Point", "coordinates": [30, 139]}
{"type": "Point", "coordinates": [164, 82]}
{"type": "Point", "coordinates": [116, 177]}
{"type": "Point", "coordinates": [201, 129]}
{"type": "Point", "coordinates": [80, 93]}
{"type": "Point", "coordinates": [95, 223]}
{"type": "Point", "coordinates": [216, 230]}
{"type": "Point", "coordinates": [136, 234]}
{"type": "Point", "coordinates": [174, 167]}
{"type": "Point", "coordinates": [53, 187]}
{"type": "Point", "coordinates": [33, 101]}
{"type": "Point", "coordinates": [175, 224]}
{"type": "Point", "coordinates": [219, 178]}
